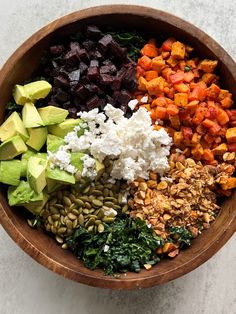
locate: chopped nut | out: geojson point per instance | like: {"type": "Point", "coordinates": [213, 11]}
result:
{"type": "Point", "coordinates": [162, 185]}
{"type": "Point", "coordinates": [143, 186]}
{"type": "Point", "coordinates": [166, 217]}
{"type": "Point", "coordinates": [147, 266]}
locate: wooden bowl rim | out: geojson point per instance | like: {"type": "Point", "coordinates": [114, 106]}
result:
{"type": "Point", "coordinates": [39, 256]}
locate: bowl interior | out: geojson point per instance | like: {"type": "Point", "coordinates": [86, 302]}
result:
{"type": "Point", "coordinates": [20, 67]}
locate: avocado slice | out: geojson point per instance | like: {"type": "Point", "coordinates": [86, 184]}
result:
{"type": "Point", "coordinates": [12, 148]}
{"type": "Point", "coordinates": [25, 157]}
{"type": "Point", "coordinates": [10, 171]}
{"type": "Point", "coordinates": [75, 160]}
{"type": "Point", "coordinates": [52, 115]}
{"type": "Point", "coordinates": [19, 94]}
{"type": "Point", "coordinates": [37, 206]}
{"type": "Point", "coordinates": [54, 142]}
{"type": "Point", "coordinates": [65, 127]}
{"type": "Point", "coordinates": [30, 116]}
{"type": "Point", "coordinates": [60, 176]}
{"type": "Point", "coordinates": [53, 185]}
{"type": "Point", "coordinates": [36, 173]}
{"type": "Point", "coordinates": [23, 194]}
{"type": "Point", "coordinates": [99, 169]}
{"type": "Point", "coordinates": [37, 90]}
{"type": "Point", "coordinates": [37, 137]}
{"type": "Point", "coordinates": [13, 126]}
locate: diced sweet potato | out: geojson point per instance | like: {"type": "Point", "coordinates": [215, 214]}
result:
{"type": "Point", "coordinates": [208, 78]}
{"type": "Point", "coordinates": [145, 62]}
{"type": "Point", "coordinates": [207, 66]}
{"type": "Point", "coordinates": [223, 93]}
{"type": "Point", "coordinates": [177, 77]}
{"type": "Point", "coordinates": [158, 64]}
{"type": "Point", "coordinates": [222, 116]}
{"type": "Point", "coordinates": [142, 84]}
{"type": "Point", "coordinates": [155, 86]}
{"type": "Point", "coordinates": [229, 183]}
{"type": "Point", "coordinates": [231, 135]}
{"type": "Point", "coordinates": [167, 44]}
{"type": "Point", "coordinates": [220, 149]}
{"type": "Point", "coordinates": [208, 155]}
{"type": "Point", "coordinates": [159, 101]}
{"type": "Point", "coordinates": [175, 122]}
{"type": "Point", "coordinates": [188, 76]}
{"type": "Point", "coordinates": [150, 75]}
{"type": "Point", "coordinates": [172, 61]}
{"type": "Point", "coordinates": [181, 99]}
{"type": "Point", "coordinates": [187, 133]}
{"type": "Point", "coordinates": [181, 88]}
{"type": "Point", "coordinates": [178, 50]}
{"type": "Point", "coordinates": [226, 102]}
{"type": "Point", "coordinates": [160, 113]}
{"type": "Point", "coordinates": [197, 151]}
{"type": "Point", "coordinates": [178, 138]}
{"type": "Point", "coordinates": [149, 50]}
{"type": "Point", "coordinates": [172, 110]}
{"type": "Point", "coordinates": [196, 138]}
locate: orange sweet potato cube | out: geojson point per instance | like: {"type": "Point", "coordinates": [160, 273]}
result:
{"type": "Point", "coordinates": [231, 135]}
{"type": "Point", "coordinates": [181, 99]}
{"type": "Point", "coordinates": [220, 149]}
{"type": "Point", "coordinates": [156, 85]}
{"type": "Point", "coordinates": [207, 65]}
{"type": "Point", "coordinates": [178, 50]}
{"type": "Point", "coordinates": [229, 183]}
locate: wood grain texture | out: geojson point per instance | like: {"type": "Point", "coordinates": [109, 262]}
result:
{"type": "Point", "coordinates": [20, 66]}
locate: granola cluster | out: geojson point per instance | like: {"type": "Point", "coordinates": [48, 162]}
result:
{"type": "Point", "coordinates": [186, 197]}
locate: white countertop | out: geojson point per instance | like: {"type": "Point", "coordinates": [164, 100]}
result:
{"type": "Point", "coordinates": [25, 286]}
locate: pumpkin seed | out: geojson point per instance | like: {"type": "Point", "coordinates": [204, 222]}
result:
{"type": "Point", "coordinates": [97, 192]}
{"type": "Point", "coordinates": [87, 205]}
{"type": "Point", "coordinates": [69, 224]}
{"type": "Point", "coordinates": [59, 239]}
{"type": "Point", "coordinates": [64, 246]}
{"type": "Point", "coordinates": [86, 211]}
{"type": "Point", "coordinates": [75, 212]}
{"type": "Point", "coordinates": [109, 204]}
{"type": "Point", "coordinates": [98, 222]}
{"type": "Point", "coordinates": [86, 190]}
{"type": "Point", "coordinates": [81, 219]}
{"type": "Point", "coordinates": [105, 192]}
{"type": "Point", "coordinates": [75, 222]}
{"type": "Point", "coordinates": [100, 228]}
{"type": "Point", "coordinates": [84, 199]}
{"type": "Point", "coordinates": [66, 201]}
{"type": "Point", "coordinates": [97, 203]}
{"type": "Point", "coordinates": [72, 216]}
{"type": "Point", "coordinates": [61, 230]}
{"type": "Point", "coordinates": [108, 219]}
{"type": "Point", "coordinates": [55, 217]}
{"type": "Point", "coordinates": [79, 202]}
{"type": "Point", "coordinates": [50, 220]}
{"type": "Point", "coordinates": [30, 223]}
{"type": "Point", "coordinates": [90, 228]}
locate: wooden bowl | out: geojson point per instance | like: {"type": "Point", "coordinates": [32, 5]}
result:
{"type": "Point", "coordinates": [20, 66]}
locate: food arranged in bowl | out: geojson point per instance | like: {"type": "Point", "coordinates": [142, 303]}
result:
{"type": "Point", "coordinates": [121, 147]}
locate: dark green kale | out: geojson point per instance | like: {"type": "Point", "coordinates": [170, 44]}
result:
{"type": "Point", "coordinates": [133, 41]}
{"type": "Point", "coordinates": [181, 235]}
{"type": "Point", "coordinates": [127, 244]}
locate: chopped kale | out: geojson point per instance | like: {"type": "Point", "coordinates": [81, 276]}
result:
{"type": "Point", "coordinates": [181, 235]}
{"type": "Point", "coordinates": [126, 244]}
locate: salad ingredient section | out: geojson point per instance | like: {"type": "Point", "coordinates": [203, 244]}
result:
{"type": "Point", "coordinates": [122, 151]}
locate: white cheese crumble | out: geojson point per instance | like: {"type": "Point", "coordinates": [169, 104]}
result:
{"type": "Point", "coordinates": [132, 103]}
{"type": "Point", "coordinates": [132, 144]}
{"type": "Point", "coordinates": [106, 248]}
{"type": "Point", "coordinates": [110, 212]}
{"type": "Point", "coordinates": [144, 99]}
{"type": "Point", "coordinates": [89, 167]}
{"type": "Point", "coordinates": [61, 159]}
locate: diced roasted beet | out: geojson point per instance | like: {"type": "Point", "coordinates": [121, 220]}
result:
{"type": "Point", "coordinates": [110, 100]}
{"type": "Point", "coordinates": [73, 112]}
{"type": "Point", "coordinates": [57, 50]}
{"type": "Point", "coordinates": [93, 32]}
{"type": "Point", "coordinates": [82, 92]}
{"type": "Point", "coordinates": [104, 43]}
{"type": "Point", "coordinates": [89, 45]}
{"type": "Point", "coordinates": [71, 58]}
{"type": "Point", "coordinates": [122, 97]}
{"type": "Point", "coordinates": [83, 68]}
{"type": "Point", "coordinates": [66, 105]}
{"type": "Point", "coordinates": [116, 51]}
{"type": "Point", "coordinates": [61, 96]}
{"type": "Point", "coordinates": [92, 102]}
{"type": "Point", "coordinates": [116, 84]}
{"type": "Point", "coordinates": [74, 46]}
{"type": "Point", "coordinates": [83, 55]}
{"type": "Point", "coordinates": [93, 73]}
{"type": "Point", "coordinates": [102, 103]}
{"type": "Point", "coordinates": [97, 55]}
{"type": "Point", "coordinates": [62, 81]}
{"type": "Point", "coordinates": [74, 76]}
{"type": "Point", "coordinates": [124, 107]}
{"type": "Point", "coordinates": [108, 68]}
{"type": "Point", "coordinates": [94, 63]}
{"type": "Point", "coordinates": [106, 79]}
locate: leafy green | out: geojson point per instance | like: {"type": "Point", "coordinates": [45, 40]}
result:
{"type": "Point", "coordinates": [133, 41]}
{"type": "Point", "coordinates": [128, 244]}
{"type": "Point", "coordinates": [182, 235]}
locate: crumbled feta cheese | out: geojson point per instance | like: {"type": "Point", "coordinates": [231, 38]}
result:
{"type": "Point", "coordinates": [61, 159]}
{"type": "Point", "coordinates": [170, 180]}
{"type": "Point", "coordinates": [106, 248]}
{"type": "Point", "coordinates": [144, 99]}
{"type": "Point", "coordinates": [110, 212]}
{"type": "Point", "coordinates": [132, 103]}
{"type": "Point", "coordinates": [149, 225]}
{"type": "Point", "coordinates": [132, 144]}
{"type": "Point", "coordinates": [89, 165]}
